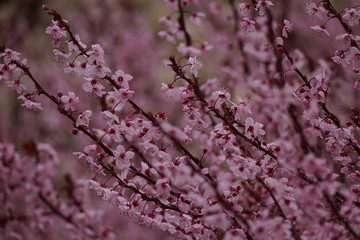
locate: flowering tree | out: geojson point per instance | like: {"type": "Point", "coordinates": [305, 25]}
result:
{"type": "Point", "coordinates": [255, 137]}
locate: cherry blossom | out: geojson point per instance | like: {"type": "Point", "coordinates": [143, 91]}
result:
{"type": "Point", "coordinates": [56, 32]}
{"type": "Point", "coordinates": [93, 86]}
{"type": "Point", "coordinates": [352, 16]}
{"type": "Point", "coordinates": [262, 5]}
{"type": "Point", "coordinates": [196, 18]}
{"type": "Point", "coordinates": [252, 128]}
{"type": "Point", "coordinates": [29, 103]}
{"type": "Point", "coordinates": [9, 55]}
{"type": "Point", "coordinates": [314, 10]}
{"type": "Point", "coordinates": [287, 28]}
{"type": "Point", "coordinates": [70, 101]}
{"type": "Point", "coordinates": [219, 97]}
{"type": "Point", "coordinates": [96, 54]}
{"type": "Point", "coordinates": [116, 99]}
{"type": "Point", "coordinates": [321, 30]}
{"type": "Point", "coordinates": [83, 119]}
{"type": "Point", "coordinates": [245, 9]}
{"type": "Point", "coordinates": [241, 109]}
{"type": "Point", "coordinates": [195, 65]}
{"type": "Point", "coordinates": [122, 79]}
{"type": "Point", "coordinates": [17, 86]}
{"type": "Point", "coordinates": [4, 72]}
{"type": "Point", "coordinates": [247, 24]}
{"type": "Point", "coordinates": [122, 157]}
{"type": "Point", "coordinates": [189, 50]}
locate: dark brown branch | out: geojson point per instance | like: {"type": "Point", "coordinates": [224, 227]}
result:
{"type": "Point", "coordinates": [239, 43]}
{"type": "Point", "coordinates": [328, 6]}
{"type": "Point", "coordinates": [181, 21]}
{"type": "Point", "coordinates": [294, 118]}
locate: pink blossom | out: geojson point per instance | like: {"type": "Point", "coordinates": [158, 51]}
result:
{"type": "Point", "coordinates": [171, 3]}
{"type": "Point", "coordinates": [116, 99]}
{"type": "Point", "coordinates": [122, 157]}
{"type": "Point", "coordinates": [247, 24]}
{"type": "Point", "coordinates": [74, 48]}
{"type": "Point", "coordinates": [93, 86]}
{"type": "Point", "coordinates": [195, 118]}
{"type": "Point", "coordinates": [17, 86]}
{"type": "Point", "coordinates": [219, 97]}
{"type": "Point", "coordinates": [299, 59]}
{"type": "Point", "coordinates": [168, 36]}
{"type": "Point", "coordinates": [321, 30]}
{"type": "Point", "coordinates": [245, 9]}
{"type": "Point", "coordinates": [353, 57]}
{"type": "Point", "coordinates": [170, 91]}
{"type": "Point", "coordinates": [176, 133]}
{"type": "Point", "coordinates": [320, 86]}
{"type": "Point", "coordinates": [235, 234]}
{"type": "Point", "coordinates": [357, 84]}
{"type": "Point", "coordinates": [262, 5]}
{"type": "Point", "coordinates": [4, 72]}
{"type": "Point", "coordinates": [352, 16]}
{"type": "Point", "coordinates": [314, 10]}
{"type": "Point", "coordinates": [211, 85]}
{"type": "Point", "coordinates": [252, 128]}
{"type": "Point", "coordinates": [70, 101]}
{"type": "Point", "coordinates": [340, 58]}
{"type": "Point", "coordinates": [83, 119]}
{"type": "Point", "coordinates": [166, 20]}
{"type": "Point", "coordinates": [346, 38]}
{"type": "Point", "coordinates": [196, 18]}
{"type": "Point", "coordinates": [56, 32]}
{"type": "Point", "coordinates": [96, 54]}
{"type": "Point", "coordinates": [241, 109]}
{"type": "Point", "coordinates": [70, 67]}
{"type": "Point", "coordinates": [188, 50]}
{"type": "Point", "coordinates": [122, 79]}
{"type": "Point", "coordinates": [206, 47]}
{"type": "Point", "coordinates": [162, 188]}
{"type": "Point", "coordinates": [99, 70]}
{"type": "Point", "coordinates": [287, 28]}
{"type": "Point", "coordinates": [110, 117]}
{"type": "Point", "coordinates": [61, 56]}
{"type": "Point", "coordinates": [9, 55]}
{"type": "Point", "coordinates": [29, 103]}
{"type": "Point", "coordinates": [195, 65]}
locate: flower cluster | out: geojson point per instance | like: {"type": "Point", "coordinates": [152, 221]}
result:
{"type": "Point", "coordinates": [259, 138]}
{"type": "Point", "coordinates": [32, 205]}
